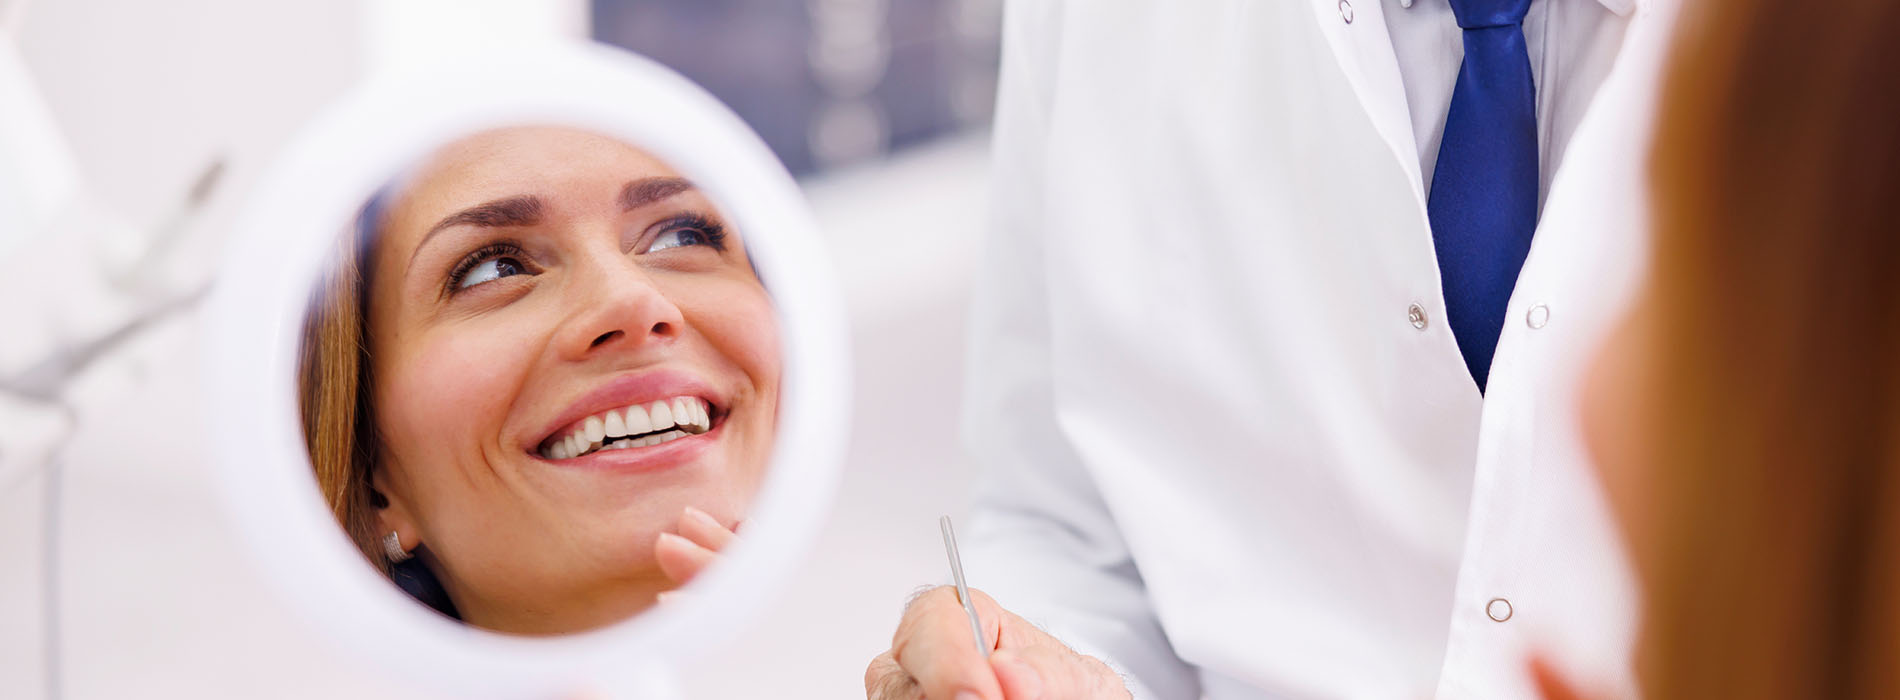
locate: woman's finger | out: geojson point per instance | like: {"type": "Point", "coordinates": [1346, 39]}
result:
{"type": "Point", "coordinates": [704, 530]}
{"type": "Point", "coordinates": [680, 558]}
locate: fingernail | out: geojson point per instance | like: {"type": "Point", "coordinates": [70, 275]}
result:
{"type": "Point", "coordinates": [702, 516]}
{"type": "Point", "coordinates": [670, 537]}
{"type": "Point", "coordinates": [967, 695]}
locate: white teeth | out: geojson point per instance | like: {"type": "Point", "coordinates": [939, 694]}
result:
{"type": "Point", "coordinates": [662, 415]}
{"type": "Point", "coordinates": [690, 415]}
{"type": "Point", "coordinates": [661, 421]}
{"type": "Point", "coordinates": [637, 421]}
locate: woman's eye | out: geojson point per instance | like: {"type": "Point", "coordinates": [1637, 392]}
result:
{"type": "Point", "coordinates": [678, 237]}
{"type": "Point", "coordinates": [489, 270]}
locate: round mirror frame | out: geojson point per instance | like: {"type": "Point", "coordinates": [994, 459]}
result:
{"type": "Point", "coordinates": [254, 323]}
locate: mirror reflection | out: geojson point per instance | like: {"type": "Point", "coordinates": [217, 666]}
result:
{"type": "Point", "coordinates": [539, 383]}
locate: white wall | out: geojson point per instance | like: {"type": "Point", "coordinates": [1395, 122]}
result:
{"type": "Point", "coordinates": [150, 93]}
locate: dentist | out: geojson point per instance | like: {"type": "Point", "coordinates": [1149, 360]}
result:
{"type": "Point", "coordinates": [1277, 348]}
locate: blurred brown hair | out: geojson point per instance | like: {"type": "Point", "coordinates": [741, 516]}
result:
{"type": "Point", "coordinates": [333, 392]}
{"type": "Point", "coordinates": [1775, 296]}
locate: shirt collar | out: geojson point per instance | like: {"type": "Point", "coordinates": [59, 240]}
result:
{"type": "Point", "coordinates": [1621, 7]}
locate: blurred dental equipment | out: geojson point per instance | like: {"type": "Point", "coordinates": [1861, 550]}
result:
{"type": "Point", "coordinates": [99, 280]}
{"type": "Point", "coordinates": [94, 281]}
{"type": "Point", "coordinates": [91, 281]}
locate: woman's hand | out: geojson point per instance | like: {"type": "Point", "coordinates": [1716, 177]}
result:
{"type": "Point", "coordinates": [697, 545]}
{"type": "Point", "coordinates": [934, 656]}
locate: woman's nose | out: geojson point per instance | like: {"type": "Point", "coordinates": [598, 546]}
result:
{"type": "Point", "coordinates": [617, 306]}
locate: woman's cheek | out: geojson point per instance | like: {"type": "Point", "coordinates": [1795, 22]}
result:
{"type": "Point", "coordinates": [454, 391]}
{"type": "Point", "coordinates": [747, 333]}
{"type": "Point", "coordinates": [738, 321]}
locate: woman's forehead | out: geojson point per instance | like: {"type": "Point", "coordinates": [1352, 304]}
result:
{"type": "Point", "coordinates": [528, 155]}
{"type": "Point", "coordinates": [552, 163]}
{"type": "Point", "coordinates": [526, 144]}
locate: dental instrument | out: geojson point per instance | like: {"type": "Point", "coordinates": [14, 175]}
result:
{"type": "Point", "coordinates": [963, 591]}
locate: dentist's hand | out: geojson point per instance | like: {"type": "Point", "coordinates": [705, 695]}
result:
{"type": "Point", "coordinates": [933, 656]}
{"type": "Point", "coordinates": [683, 556]}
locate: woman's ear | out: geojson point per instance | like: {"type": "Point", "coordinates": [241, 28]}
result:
{"type": "Point", "coordinates": [393, 513]}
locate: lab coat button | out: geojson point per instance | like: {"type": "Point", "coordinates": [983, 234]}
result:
{"type": "Point", "coordinates": [1538, 316]}
{"type": "Point", "coordinates": [1345, 11]}
{"type": "Point", "coordinates": [1416, 314]}
{"type": "Point", "coordinates": [1499, 609]}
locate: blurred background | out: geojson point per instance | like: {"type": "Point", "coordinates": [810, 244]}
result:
{"type": "Point", "coordinates": [121, 577]}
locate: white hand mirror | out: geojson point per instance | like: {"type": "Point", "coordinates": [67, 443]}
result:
{"type": "Point", "coordinates": [502, 357]}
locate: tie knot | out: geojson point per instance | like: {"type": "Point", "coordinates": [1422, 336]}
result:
{"type": "Point", "coordinates": [1480, 14]}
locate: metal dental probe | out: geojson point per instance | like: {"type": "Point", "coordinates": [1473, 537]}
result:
{"type": "Point", "coordinates": [963, 591]}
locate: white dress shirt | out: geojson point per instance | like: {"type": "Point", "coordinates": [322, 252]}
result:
{"type": "Point", "coordinates": [1229, 444]}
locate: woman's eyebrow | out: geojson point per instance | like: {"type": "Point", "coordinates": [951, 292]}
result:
{"type": "Point", "coordinates": [519, 210]}
{"type": "Point", "coordinates": [644, 191]}
{"type": "Point", "coordinates": [526, 209]}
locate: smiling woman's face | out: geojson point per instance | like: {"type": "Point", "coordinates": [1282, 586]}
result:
{"type": "Point", "coordinates": [533, 293]}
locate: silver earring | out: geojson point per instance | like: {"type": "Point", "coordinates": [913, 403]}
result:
{"type": "Point", "coordinates": [392, 548]}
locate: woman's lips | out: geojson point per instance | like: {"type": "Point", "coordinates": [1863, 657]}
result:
{"type": "Point", "coordinates": [629, 427]}
{"type": "Point", "coordinates": [643, 403]}
{"type": "Point", "coordinates": [653, 458]}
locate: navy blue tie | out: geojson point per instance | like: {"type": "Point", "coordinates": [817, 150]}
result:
{"type": "Point", "coordinates": [1483, 205]}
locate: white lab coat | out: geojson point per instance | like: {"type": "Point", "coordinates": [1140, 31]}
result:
{"type": "Point", "coordinates": [1219, 452]}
